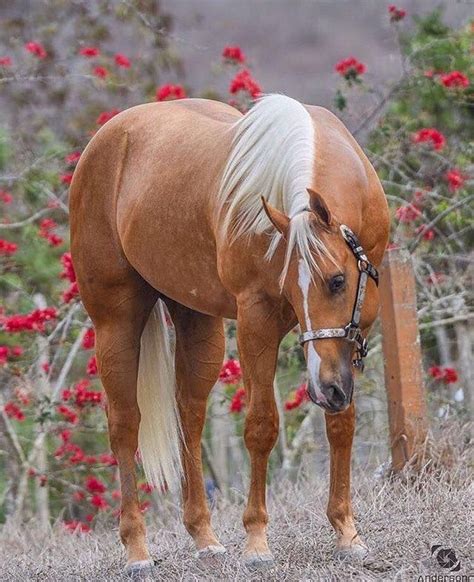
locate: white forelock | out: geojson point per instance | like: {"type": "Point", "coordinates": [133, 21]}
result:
{"type": "Point", "coordinates": [272, 156]}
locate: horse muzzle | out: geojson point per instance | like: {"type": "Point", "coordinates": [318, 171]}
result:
{"type": "Point", "coordinates": [335, 396]}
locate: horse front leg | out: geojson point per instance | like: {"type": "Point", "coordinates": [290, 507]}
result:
{"type": "Point", "coordinates": [340, 433]}
{"type": "Point", "coordinates": [259, 335]}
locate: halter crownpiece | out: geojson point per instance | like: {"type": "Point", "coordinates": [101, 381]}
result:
{"type": "Point", "coordinates": [352, 331]}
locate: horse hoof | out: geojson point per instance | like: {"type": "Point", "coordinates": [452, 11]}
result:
{"type": "Point", "coordinates": [210, 552]}
{"type": "Point", "coordinates": [356, 552]}
{"type": "Point", "coordinates": [139, 568]}
{"type": "Point", "coordinates": [256, 561]}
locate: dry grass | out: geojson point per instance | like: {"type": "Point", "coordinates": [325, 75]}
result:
{"type": "Point", "coordinates": [399, 519]}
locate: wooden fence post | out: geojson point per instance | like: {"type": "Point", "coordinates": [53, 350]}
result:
{"type": "Point", "coordinates": [402, 357]}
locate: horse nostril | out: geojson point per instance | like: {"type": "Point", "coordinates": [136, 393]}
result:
{"type": "Point", "coordinates": [335, 395]}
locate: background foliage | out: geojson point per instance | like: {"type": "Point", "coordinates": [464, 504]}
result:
{"type": "Point", "coordinates": [54, 457]}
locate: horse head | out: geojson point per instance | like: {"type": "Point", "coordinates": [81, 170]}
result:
{"type": "Point", "coordinates": [333, 291]}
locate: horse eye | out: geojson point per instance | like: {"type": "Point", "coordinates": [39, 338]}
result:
{"type": "Point", "coordinates": [337, 283]}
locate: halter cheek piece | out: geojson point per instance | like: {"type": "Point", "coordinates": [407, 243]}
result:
{"type": "Point", "coordinates": [351, 332]}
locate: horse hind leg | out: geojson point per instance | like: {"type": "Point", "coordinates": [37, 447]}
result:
{"type": "Point", "coordinates": [120, 312]}
{"type": "Point", "coordinates": [200, 348]}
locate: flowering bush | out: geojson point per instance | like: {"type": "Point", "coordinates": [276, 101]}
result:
{"type": "Point", "coordinates": [419, 150]}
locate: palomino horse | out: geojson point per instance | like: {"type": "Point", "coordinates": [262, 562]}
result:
{"type": "Point", "coordinates": [216, 215]}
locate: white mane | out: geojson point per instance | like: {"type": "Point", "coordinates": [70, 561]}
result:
{"type": "Point", "coordinates": [272, 157]}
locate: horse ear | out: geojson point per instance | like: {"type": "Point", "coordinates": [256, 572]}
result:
{"type": "Point", "coordinates": [319, 207]}
{"type": "Point", "coordinates": [279, 220]}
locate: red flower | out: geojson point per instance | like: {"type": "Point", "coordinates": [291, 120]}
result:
{"type": "Point", "coordinates": [88, 341]}
{"type": "Point", "coordinates": [89, 51]}
{"type": "Point", "coordinates": [71, 292]}
{"type": "Point", "coordinates": [436, 372]}
{"type": "Point", "coordinates": [350, 68]}
{"type": "Point", "coordinates": [408, 213]}
{"type": "Point", "coordinates": [231, 372]}
{"type": "Point", "coordinates": [435, 278]}
{"type": "Point", "coordinates": [16, 351]}
{"type": "Point", "coordinates": [4, 351]}
{"type": "Point", "coordinates": [34, 321]}
{"type": "Point", "coordinates": [395, 13]}
{"type": "Point", "coordinates": [238, 401]}
{"type": "Point", "coordinates": [82, 394]}
{"type": "Point", "coordinates": [68, 268]}
{"type": "Point", "coordinates": [92, 366]}
{"type": "Point", "coordinates": [74, 526]}
{"type": "Point", "coordinates": [233, 54]}
{"type": "Point", "coordinates": [122, 61]}
{"type": "Point", "coordinates": [12, 410]}
{"type": "Point", "coordinates": [100, 72]}
{"type": "Point", "coordinates": [95, 485]}
{"type": "Point", "coordinates": [243, 81]}
{"type": "Point", "coordinates": [300, 395]}
{"type": "Point", "coordinates": [7, 248]}
{"type": "Point", "coordinates": [170, 93]}
{"type": "Point", "coordinates": [99, 502]}
{"type": "Point", "coordinates": [66, 394]}
{"type": "Point", "coordinates": [72, 158]}
{"type": "Point", "coordinates": [66, 178]}
{"type": "Point", "coordinates": [428, 233]}
{"type": "Point", "coordinates": [455, 179]}
{"type": "Point", "coordinates": [429, 134]}
{"type": "Point", "coordinates": [65, 435]}
{"type": "Point", "coordinates": [46, 367]}
{"type": "Point", "coordinates": [107, 116]}
{"type": "Point", "coordinates": [36, 49]}
{"type": "Point", "coordinates": [68, 273]}
{"type": "Point", "coordinates": [454, 79]}
{"type": "Point", "coordinates": [46, 226]}
{"type": "Point", "coordinates": [108, 459]}
{"type": "Point", "coordinates": [450, 376]}
{"type": "Point", "coordinates": [22, 395]}
{"type": "Point", "coordinates": [418, 199]}
{"type": "Point", "coordinates": [69, 415]}
{"type": "Point", "coordinates": [5, 62]}
{"type": "Point", "coordinates": [6, 197]}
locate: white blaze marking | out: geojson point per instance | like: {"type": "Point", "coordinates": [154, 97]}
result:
{"type": "Point", "coordinates": [313, 359]}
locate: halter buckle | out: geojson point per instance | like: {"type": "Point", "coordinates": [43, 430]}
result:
{"type": "Point", "coordinates": [352, 332]}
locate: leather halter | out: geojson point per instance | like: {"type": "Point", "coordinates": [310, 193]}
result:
{"type": "Point", "coordinates": [350, 332]}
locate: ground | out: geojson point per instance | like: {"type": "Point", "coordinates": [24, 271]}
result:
{"type": "Point", "coordinates": [400, 519]}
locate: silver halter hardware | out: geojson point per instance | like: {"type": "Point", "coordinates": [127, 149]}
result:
{"type": "Point", "coordinates": [350, 332]}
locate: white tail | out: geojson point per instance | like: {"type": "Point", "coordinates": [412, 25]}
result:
{"type": "Point", "coordinates": [159, 436]}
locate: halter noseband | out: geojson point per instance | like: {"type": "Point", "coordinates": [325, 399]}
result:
{"type": "Point", "coordinates": [351, 332]}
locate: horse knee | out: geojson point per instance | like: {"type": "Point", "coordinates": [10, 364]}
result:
{"type": "Point", "coordinates": [261, 431]}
